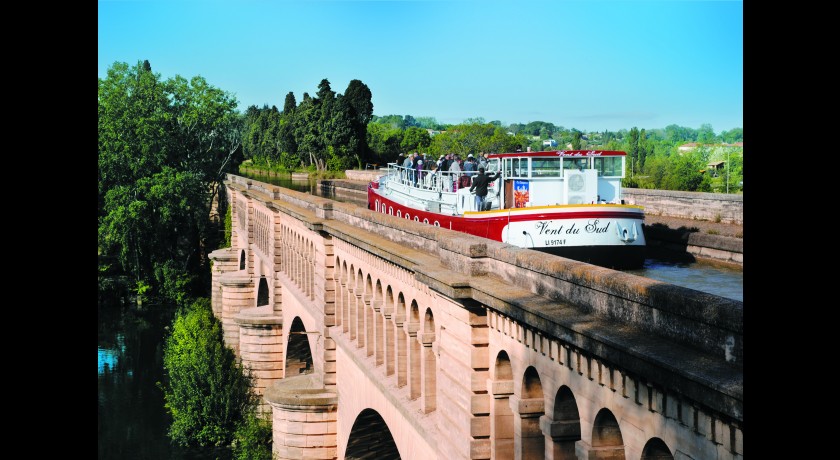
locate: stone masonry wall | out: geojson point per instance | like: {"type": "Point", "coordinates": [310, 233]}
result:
{"type": "Point", "coordinates": [721, 207]}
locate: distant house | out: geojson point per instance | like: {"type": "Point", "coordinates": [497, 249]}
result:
{"type": "Point", "coordinates": [716, 166]}
{"type": "Point", "coordinates": [432, 132]}
{"type": "Point", "coordinates": [549, 143]}
{"type": "Point", "coordinates": [687, 147]}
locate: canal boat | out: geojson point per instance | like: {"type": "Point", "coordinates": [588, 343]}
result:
{"type": "Point", "coordinates": [565, 202]}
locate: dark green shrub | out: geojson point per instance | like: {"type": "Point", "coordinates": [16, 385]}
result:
{"type": "Point", "coordinates": [205, 388]}
{"type": "Point", "coordinates": [253, 439]}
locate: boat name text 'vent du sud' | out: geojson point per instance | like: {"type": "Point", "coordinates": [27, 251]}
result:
{"type": "Point", "coordinates": [544, 228]}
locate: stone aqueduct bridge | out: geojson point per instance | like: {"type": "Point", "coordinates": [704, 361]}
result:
{"type": "Point", "coordinates": [375, 336]}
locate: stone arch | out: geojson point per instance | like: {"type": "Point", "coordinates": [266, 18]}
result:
{"type": "Point", "coordinates": [262, 292]}
{"type": "Point", "coordinates": [370, 437]}
{"type": "Point", "coordinates": [564, 428]}
{"type": "Point", "coordinates": [531, 408]}
{"type": "Point", "coordinates": [401, 344]}
{"type": "Point", "coordinates": [412, 328]}
{"type": "Point", "coordinates": [656, 449]}
{"type": "Point", "coordinates": [428, 362]}
{"type": "Point", "coordinates": [242, 260]}
{"type": "Point", "coordinates": [607, 441]}
{"type": "Point", "coordinates": [298, 351]}
{"type": "Point", "coordinates": [387, 313]}
{"type": "Point", "coordinates": [501, 415]}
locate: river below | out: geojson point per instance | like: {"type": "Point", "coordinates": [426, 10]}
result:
{"type": "Point", "coordinates": [132, 420]}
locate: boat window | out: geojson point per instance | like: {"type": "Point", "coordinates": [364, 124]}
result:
{"type": "Point", "coordinates": [516, 167]}
{"type": "Point", "coordinates": [609, 166]}
{"type": "Point", "coordinates": [545, 167]}
{"type": "Point", "coordinates": [575, 164]}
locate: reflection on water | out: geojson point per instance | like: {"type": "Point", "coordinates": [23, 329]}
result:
{"type": "Point", "coordinates": [722, 281]}
{"type": "Point", "coordinates": [715, 280]}
{"type": "Point", "coordinates": [132, 420]}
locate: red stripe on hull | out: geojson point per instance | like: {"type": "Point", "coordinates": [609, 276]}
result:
{"type": "Point", "coordinates": [490, 227]}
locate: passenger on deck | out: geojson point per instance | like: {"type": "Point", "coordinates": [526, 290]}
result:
{"type": "Point", "coordinates": [455, 169]}
{"type": "Point", "coordinates": [469, 166]}
{"type": "Point", "coordinates": [408, 165]}
{"type": "Point", "coordinates": [479, 185]}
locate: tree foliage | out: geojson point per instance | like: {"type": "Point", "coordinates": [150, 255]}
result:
{"type": "Point", "coordinates": [253, 439]}
{"type": "Point", "coordinates": [326, 131]}
{"type": "Point", "coordinates": [164, 148]}
{"type": "Point", "coordinates": [206, 390]}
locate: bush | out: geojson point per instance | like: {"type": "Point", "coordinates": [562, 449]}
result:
{"type": "Point", "coordinates": [205, 389]}
{"type": "Point", "coordinates": [253, 439]}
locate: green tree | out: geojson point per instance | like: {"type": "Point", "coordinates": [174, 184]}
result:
{"type": "Point", "coordinates": [359, 99]}
{"type": "Point", "coordinates": [685, 174]}
{"type": "Point", "coordinates": [253, 439]}
{"type": "Point", "coordinates": [576, 139]}
{"type": "Point", "coordinates": [340, 136]}
{"type": "Point", "coordinates": [384, 141]}
{"type": "Point", "coordinates": [287, 142]}
{"type": "Point", "coordinates": [633, 150]}
{"type": "Point", "coordinates": [706, 135]}
{"type": "Point", "coordinates": [164, 148]}
{"type": "Point", "coordinates": [415, 138]}
{"type": "Point", "coordinates": [732, 136]}
{"type": "Point", "coordinates": [394, 121]}
{"type": "Point", "coordinates": [206, 390]}
{"type": "Point", "coordinates": [428, 123]}
{"type": "Point", "coordinates": [307, 132]}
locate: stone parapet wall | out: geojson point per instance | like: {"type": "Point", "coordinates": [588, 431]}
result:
{"type": "Point", "coordinates": [366, 175]}
{"type": "Point", "coordinates": [722, 207]}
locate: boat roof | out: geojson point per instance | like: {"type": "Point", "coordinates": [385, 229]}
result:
{"type": "Point", "coordinates": [560, 153]}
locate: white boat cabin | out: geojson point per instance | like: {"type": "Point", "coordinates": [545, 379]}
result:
{"type": "Point", "coordinates": [560, 178]}
{"type": "Point", "coordinates": [548, 178]}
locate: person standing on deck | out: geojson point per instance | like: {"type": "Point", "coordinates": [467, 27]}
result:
{"type": "Point", "coordinates": [479, 185]}
{"type": "Point", "coordinates": [469, 166]}
{"type": "Point", "coordinates": [455, 169]}
{"type": "Point", "coordinates": [408, 164]}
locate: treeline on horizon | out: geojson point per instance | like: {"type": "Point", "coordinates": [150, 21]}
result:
{"type": "Point", "coordinates": [335, 132]}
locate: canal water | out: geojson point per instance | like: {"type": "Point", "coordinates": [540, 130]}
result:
{"type": "Point", "coordinates": [700, 276]}
{"type": "Point", "coordinates": [132, 420]}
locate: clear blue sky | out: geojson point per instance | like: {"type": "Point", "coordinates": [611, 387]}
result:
{"type": "Point", "coordinates": [592, 65]}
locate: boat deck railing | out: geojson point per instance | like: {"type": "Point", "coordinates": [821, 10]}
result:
{"type": "Point", "coordinates": [436, 180]}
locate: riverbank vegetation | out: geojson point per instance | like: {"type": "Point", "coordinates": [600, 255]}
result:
{"type": "Point", "coordinates": [165, 147]}
{"type": "Point", "coordinates": [207, 390]}
{"type": "Point", "coordinates": [673, 158]}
